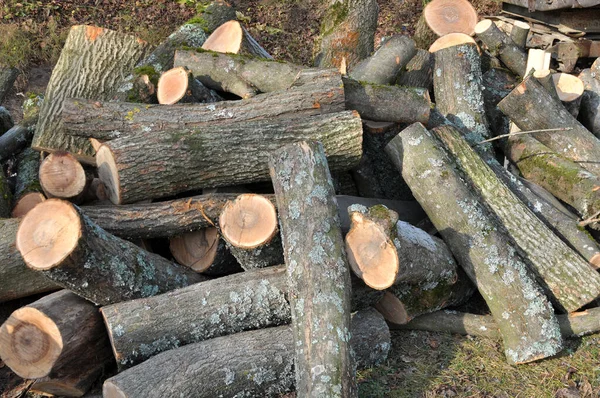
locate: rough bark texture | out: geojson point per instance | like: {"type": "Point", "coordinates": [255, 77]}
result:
{"type": "Point", "coordinates": [105, 269]}
{"type": "Point", "coordinates": [28, 190]}
{"type": "Point", "coordinates": [589, 114]}
{"type": "Point", "coordinates": [237, 74]}
{"type": "Point", "coordinates": [388, 103]}
{"type": "Point", "coordinates": [424, 36]}
{"type": "Point", "coordinates": [6, 120]}
{"type": "Point", "coordinates": [204, 251]}
{"type": "Point", "coordinates": [14, 140]}
{"type": "Point", "coordinates": [347, 33]}
{"type": "Point", "coordinates": [8, 76]}
{"type": "Point", "coordinates": [501, 46]}
{"type": "Point", "coordinates": [17, 280]}
{"type": "Point", "coordinates": [214, 15]}
{"type": "Point", "coordinates": [5, 196]}
{"type": "Point", "coordinates": [531, 107]}
{"type": "Point", "coordinates": [519, 32]}
{"type": "Point", "coordinates": [255, 363]}
{"type": "Point", "coordinates": [110, 120]}
{"type": "Point", "coordinates": [183, 160]}
{"type": "Point", "coordinates": [497, 83]}
{"type": "Point", "coordinates": [419, 71]}
{"type": "Point", "coordinates": [389, 59]}
{"type": "Point", "coordinates": [317, 269]}
{"type": "Point", "coordinates": [266, 255]}
{"type": "Point", "coordinates": [525, 317]}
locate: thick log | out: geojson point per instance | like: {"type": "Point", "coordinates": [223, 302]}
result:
{"type": "Point", "coordinates": [93, 64]}
{"type": "Point", "coordinates": [387, 103]}
{"type": "Point", "coordinates": [28, 190]}
{"type": "Point", "coordinates": [183, 160]}
{"type": "Point", "coordinates": [570, 90]}
{"type": "Point", "coordinates": [62, 176]}
{"type": "Point", "coordinates": [501, 46]}
{"type": "Point", "coordinates": [232, 37]}
{"type": "Point", "coordinates": [110, 120]}
{"type": "Point", "coordinates": [8, 76]}
{"type": "Point", "coordinates": [525, 317]}
{"type": "Point", "coordinates": [384, 66]}
{"type": "Point", "coordinates": [58, 240]}
{"type": "Point", "coordinates": [347, 34]}
{"type": "Point", "coordinates": [419, 71]}
{"type": "Point", "coordinates": [531, 107]}
{"type": "Point", "coordinates": [384, 251]}
{"type": "Point", "coordinates": [519, 32]}
{"type": "Point", "coordinates": [589, 113]}
{"type": "Point", "coordinates": [263, 365]}
{"type": "Point", "coordinates": [17, 279]}
{"type": "Point", "coordinates": [44, 337]}
{"type": "Point", "coordinates": [6, 120]}
{"type": "Point", "coordinates": [318, 271]}
{"type": "Point", "coordinates": [15, 140]}
{"type": "Point", "coordinates": [249, 225]}
{"type": "Point", "coordinates": [450, 16]}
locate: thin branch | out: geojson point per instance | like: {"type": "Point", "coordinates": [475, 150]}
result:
{"type": "Point", "coordinates": [590, 220]}
{"type": "Point", "coordinates": [525, 132]}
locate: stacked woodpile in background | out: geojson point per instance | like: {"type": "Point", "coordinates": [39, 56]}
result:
{"type": "Point", "coordinates": [168, 201]}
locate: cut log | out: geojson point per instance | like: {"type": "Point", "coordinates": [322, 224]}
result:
{"type": "Point", "coordinates": [497, 83]}
{"type": "Point", "coordinates": [546, 79]}
{"type": "Point", "coordinates": [589, 113]}
{"type": "Point", "coordinates": [57, 239]}
{"type": "Point", "coordinates": [384, 251]}
{"type": "Point", "coordinates": [183, 160]}
{"type": "Point", "coordinates": [93, 64]}
{"type": "Point", "coordinates": [317, 268]}
{"type": "Point", "coordinates": [479, 245]}
{"type": "Point", "coordinates": [570, 91]}
{"type": "Point", "coordinates": [110, 120]}
{"type": "Point", "coordinates": [15, 140]}
{"type": "Point", "coordinates": [500, 45]}
{"type": "Point", "coordinates": [232, 37]}
{"type": "Point", "coordinates": [263, 366]}
{"type": "Point", "coordinates": [451, 40]}
{"type": "Point", "coordinates": [8, 76]}
{"type": "Point", "coordinates": [419, 71]}
{"type": "Point", "coordinates": [204, 251]}
{"type": "Point", "coordinates": [519, 32]}
{"type": "Point", "coordinates": [178, 85]}
{"type": "Point", "coordinates": [389, 59]}
{"type": "Point", "coordinates": [347, 33]}
{"type": "Point", "coordinates": [250, 227]}
{"type": "Point", "coordinates": [17, 280]}
{"type": "Point", "coordinates": [237, 74]}
{"type": "Point", "coordinates": [28, 191]}
{"type": "Point", "coordinates": [450, 16]}
{"type": "Point", "coordinates": [387, 103]}
{"type": "Point", "coordinates": [531, 107]}
{"type": "Point", "coordinates": [47, 335]}
{"type": "Point", "coordinates": [6, 120]}
{"type": "Point", "coordinates": [62, 176]}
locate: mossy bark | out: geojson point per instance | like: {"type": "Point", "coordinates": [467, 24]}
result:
{"type": "Point", "coordinates": [17, 280]}
{"type": "Point", "coordinates": [502, 46]}
{"type": "Point", "coordinates": [15, 140]}
{"type": "Point", "coordinates": [254, 363]}
{"type": "Point", "coordinates": [183, 160]}
{"type": "Point", "coordinates": [8, 76]}
{"type": "Point", "coordinates": [525, 317]}
{"type": "Point", "coordinates": [317, 269]}
{"type": "Point", "coordinates": [589, 113]}
{"type": "Point", "coordinates": [418, 72]}
{"type": "Point", "coordinates": [213, 15]}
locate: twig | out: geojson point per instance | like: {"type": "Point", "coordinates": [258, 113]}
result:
{"type": "Point", "coordinates": [590, 220]}
{"type": "Point", "coordinates": [525, 132]}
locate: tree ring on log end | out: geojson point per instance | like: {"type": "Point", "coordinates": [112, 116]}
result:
{"type": "Point", "coordinates": [173, 86]}
{"type": "Point", "coordinates": [109, 174]}
{"type": "Point", "coordinates": [227, 38]}
{"type": "Point", "coordinates": [450, 16]}
{"type": "Point", "coordinates": [48, 234]}
{"type": "Point", "coordinates": [61, 175]}
{"type": "Point", "coordinates": [30, 343]}
{"type": "Point", "coordinates": [451, 40]}
{"type": "Point", "coordinates": [249, 221]}
{"type": "Point", "coordinates": [197, 249]}
{"type": "Point", "coordinates": [26, 203]}
{"type": "Point", "coordinates": [392, 309]}
{"type": "Point", "coordinates": [568, 87]}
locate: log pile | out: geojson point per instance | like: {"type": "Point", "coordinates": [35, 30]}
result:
{"type": "Point", "coordinates": [216, 224]}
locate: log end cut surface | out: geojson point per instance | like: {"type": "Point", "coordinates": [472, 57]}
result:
{"type": "Point", "coordinates": [249, 221]}
{"type": "Point", "coordinates": [197, 249]}
{"type": "Point", "coordinates": [110, 390]}
{"type": "Point", "coordinates": [26, 203]}
{"type": "Point", "coordinates": [109, 174]}
{"type": "Point", "coordinates": [568, 87]}
{"type": "Point", "coordinates": [48, 234]}
{"type": "Point", "coordinates": [172, 86]}
{"type": "Point", "coordinates": [227, 38]}
{"type": "Point", "coordinates": [30, 343]}
{"type": "Point", "coordinates": [451, 40]}
{"type": "Point", "coordinates": [392, 309]}
{"type": "Point", "coordinates": [450, 16]}
{"type": "Point", "coordinates": [62, 176]}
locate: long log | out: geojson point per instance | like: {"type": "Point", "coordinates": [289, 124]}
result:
{"type": "Point", "coordinates": [589, 114]}
{"type": "Point", "coordinates": [502, 46]}
{"type": "Point", "coordinates": [17, 279]}
{"type": "Point", "coordinates": [58, 240]}
{"type": "Point", "coordinates": [525, 317]}
{"type": "Point", "coordinates": [531, 107]}
{"type": "Point", "coordinates": [93, 64]}
{"type": "Point", "coordinates": [264, 364]}
{"type": "Point", "coordinates": [183, 160]}
{"type": "Point", "coordinates": [28, 190]}
{"type": "Point", "coordinates": [8, 76]}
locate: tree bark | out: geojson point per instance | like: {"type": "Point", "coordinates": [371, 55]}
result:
{"type": "Point", "coordinates": [519, 32]}
{"type": "Point", "coordinates": [6, 120]}
{"type": "Point", "coordinates": [58, 240]}
{"type": "Point", "coordinates": [110, 120]}
{"type": "Point", "coordinates": [589, 114]}
{"type": "Point", "coordinates": [6, 196]}
{"type": "Point", "coordinates": [501, 46]}
{"type": "Point", "coordinates": [92, 65]}
{"type": "Point", "coordinates": [17, 280]}
{"type": "Point", "coordinates": [384, 66]}
{"type": "Point", "coordinates": [497, 84]}
{"type": "Point", "coordinates": [570, 91]}
{"type": "Point", "coordinates": [531, 107]}
{"type": "Point", "coordinates": [15, 140]}
{"type": "Point", "coordinates": [213, 15]}
{"type": "Point", "coordinates": [8, 76]}
{"type": "Point", "coordinates": [232, 37]}
{"type": "Point", "coordinates": [44, 337]}
{"type": "Point", "coordinates": [419, 71]}
{"type": "Point", "coordinates": [28, 190]}
{"type": "Point", "coordinates": [263, 367]}
{"type": "Point", "coordinates": [525, 317]}
{"type": "Point", "coordinates": [317, 270]}
{"type": "Point", "coordinates": [183, 160]}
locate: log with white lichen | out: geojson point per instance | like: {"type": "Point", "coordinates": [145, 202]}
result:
{"type": "Point", "coordinates": [525, 317]}
{"type": "Point", "coordinates": [318, 272]}
{"type": "Point", "coordinates": [93, 64]}
{"type": "Point", "coordinates": [186, 159]}
{"type": "Point", "coordinates": [232, 37]}
{"type": "Point", "coordinates": [384, 251]}
{"type": "Point", "coordinates": [589, 113]}
{"type": "Point", "coordinates": [28, 191]}
{"type": "Point", "coordinates": [502, 46]}
{"type": "Point", "coordinates": [419, 71]}
{"type": "Point", "coordinates": [58, 240]}
{"type": "Point", "coordinates": [263, 365]}
{"type": "Point", "coordinates": [531, 107]}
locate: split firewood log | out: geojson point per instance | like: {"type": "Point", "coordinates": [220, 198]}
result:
{"type": "Point", "coordinates": [595, 67]}
{"type": "Point", "coordinates": [93, 64]}
{"type": "Point", "coordinates": [8, 76]}
{"type": "Point", "coordinates": [589, 113]}
{"type": "Point", "coordinates": [58, 240]}
{"type": "Point", "coordinates": [62, 176]}
{"type": "Point", "coordinates": [537, 60]}
{"type": "Point", "coordinates": [28, 190]}
{"type": "Point", "coordinates": [419, 71]}
{"type": "Point", "coordinates": [317, 268]}
{"type": "Point", "coordinates": [500, 45]}
{"type": "Point", "coordinates": [6, 120]}
{"type": "Point", "coordinates": [232, 37]}
{"type": "Point", "coordinates": [178, 85]}
{"type": "Point", "coordinates": [479, 245]}
{"type": "Point", "coordinates": [258, 353]}
{"type": "Point", "coordinates": [570, 91]}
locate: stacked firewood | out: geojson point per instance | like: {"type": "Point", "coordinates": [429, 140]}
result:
{"type": "Point", "coordinates": [218, 223]}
